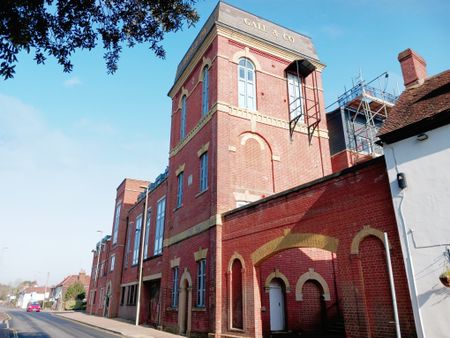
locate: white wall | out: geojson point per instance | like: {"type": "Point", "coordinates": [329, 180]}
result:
{"type": "Point", "coordinates": [32, 297]}
{"type": "Point", "coordinates": [425, 214]}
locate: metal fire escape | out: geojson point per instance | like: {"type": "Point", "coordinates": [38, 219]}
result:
{"type": "Point", "coordinates": [306, 106]}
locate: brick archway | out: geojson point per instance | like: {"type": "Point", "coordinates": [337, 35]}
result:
{"type": "Point", "coordinates": [311, 275]}
{"type": "Point", "coordinates": [294, 240]}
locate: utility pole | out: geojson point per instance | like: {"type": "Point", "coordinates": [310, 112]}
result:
{"type": "Point", "coordinates": [141, 259]}
{"type": "Point", "coordinates": [45, 290]}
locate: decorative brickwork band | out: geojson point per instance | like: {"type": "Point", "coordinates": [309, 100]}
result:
{"type": "Point", "coordinates": [311, 275]}
{"type": "Point", "coordinates": [294, 240]}
{"type": "Point", "coordinates": [363, 233]}
{"type": "Point", "coordinates": [277, 274]}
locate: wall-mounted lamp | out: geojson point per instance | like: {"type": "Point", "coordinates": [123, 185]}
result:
{"type": "Point", "coordinates": [401, 180]}
{"type": "Point", "coordinates": [422, 137]}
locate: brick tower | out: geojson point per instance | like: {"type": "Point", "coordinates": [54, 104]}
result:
{"type": "Point", "coordinates": [247, 122]}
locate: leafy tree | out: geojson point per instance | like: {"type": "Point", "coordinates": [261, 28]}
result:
{"type": "Point", "coordinates": [74, 291]}
{"type": "Point", "coordinates": [58, 28]}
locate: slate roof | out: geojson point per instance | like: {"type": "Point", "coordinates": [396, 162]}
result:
{"type": "Point", "coordinates": [37, 289]}
{"type": "Point", "coordinates": [418, 109]}
{"type": "Point", "coordinates": [72, 279]}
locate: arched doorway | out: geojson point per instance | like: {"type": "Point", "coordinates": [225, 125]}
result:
{"type": "Point", "coordinates": [313, 314]}
{"type": "Point", "coordinates": [277, 307]}
{"type": "Point", "coordinates": [185, 304]}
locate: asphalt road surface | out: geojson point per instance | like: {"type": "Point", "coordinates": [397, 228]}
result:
{"type": "Point", "coordinates": [46, 325]}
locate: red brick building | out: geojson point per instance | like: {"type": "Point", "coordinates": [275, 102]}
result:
{"type": "Point", "coordinates": [248, 232]}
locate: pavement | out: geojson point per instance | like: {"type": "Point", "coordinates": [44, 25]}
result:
{"type": "Point", "coordinates": [116, 326]}
{"type": "Point", "coordinates": [5, 332]}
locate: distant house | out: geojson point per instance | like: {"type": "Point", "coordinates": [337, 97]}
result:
{"type": "Point", "coordinates": [60, 289]}
{"type": "Point", "coordinates": [416, 142]}
{"type": "Point", "coordinates": [32, 294]}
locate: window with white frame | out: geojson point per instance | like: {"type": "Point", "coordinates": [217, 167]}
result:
{"type": "Point", "coordinates": [116, 223]}
{"type": "Point", "coordinates": [183, 118]}
{"type": "Point", "coordinates": [246, 84]}
{"type": "Point", "coordinates": [159, 231]}
{"type": "Point", "coordinates": [147, 232]}
{"type": "Point", "coordinates": [137, 241]}
{"type": "Point", "coordinates": [295, 97]}
{"type": "Point", "coordinates": [113, 262]}
{"type": "Point", "coordinates": [205, 91]}
{"type": "Point", "coordinates": [102, 269]}
{"type": "Point", "coordinates": [175, 272]}
{"type": "Point", "coordinates": [180, 189]}
{"type": "Point", "coordinates": [204, 171]}
{"type": "Point", "coordinates": [201, 282]}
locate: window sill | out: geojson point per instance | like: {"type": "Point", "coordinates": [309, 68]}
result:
{"type": "Point", "coordinates": [152, 257]}
{"type": "Point", "coordinates": [177, 208]}
{"type": "Point", "coordinates": [199, 308]}
{"type": "Point", "coordinates": [172, 309]}
{"type": "Point", "coordinates": [201, 193]}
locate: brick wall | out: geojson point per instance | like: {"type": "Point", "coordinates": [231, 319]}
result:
{"type": "Point", "coordinates": [320, 209]}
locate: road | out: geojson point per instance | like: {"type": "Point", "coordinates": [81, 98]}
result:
{"type": "Point", "coordinates": [47, 325]}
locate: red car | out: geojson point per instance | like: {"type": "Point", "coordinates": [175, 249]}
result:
{"type": "Point", "coordinates": [34, 307]}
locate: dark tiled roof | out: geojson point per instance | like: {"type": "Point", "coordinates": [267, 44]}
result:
{"type": "Point", "coordinates": [419, 108]}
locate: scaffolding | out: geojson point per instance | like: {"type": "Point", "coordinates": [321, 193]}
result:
{"type": "Point", "coordinates": [364, 108]}
{"type": "Point", "coordinates": [304, 107]}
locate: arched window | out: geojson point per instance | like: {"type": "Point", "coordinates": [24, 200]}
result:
{"type": "Point", "coordinates": [237, 310]}
{"type": "Point", "coordinates": [183, 118]}
{"type": "Point", "coordinates": [246, 84]}
{"type": "Point", "coordinates": [205, 91]}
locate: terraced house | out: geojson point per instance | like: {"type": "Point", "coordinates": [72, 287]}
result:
{"type": "Point", "coordinates": [249, 232]}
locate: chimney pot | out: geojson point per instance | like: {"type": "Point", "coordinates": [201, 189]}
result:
{"type": "Point", "coordinates": [414, 67]}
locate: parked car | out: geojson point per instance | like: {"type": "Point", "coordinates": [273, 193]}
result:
{"type": "Point", "coordinates": [34, 307]}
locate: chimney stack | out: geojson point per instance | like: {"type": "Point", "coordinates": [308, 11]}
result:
{"type": "Point", "coordinates": [414, 67]}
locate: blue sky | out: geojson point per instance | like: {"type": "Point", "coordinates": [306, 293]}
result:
{"type": "Point", "coordinates": [68, 140]}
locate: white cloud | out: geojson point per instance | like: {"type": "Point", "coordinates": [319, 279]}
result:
{"type": "Point", "coordinates": [72, 82]}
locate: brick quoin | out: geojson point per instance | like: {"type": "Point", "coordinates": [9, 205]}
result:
{"type": "Point", "coordinates": [298, 223]}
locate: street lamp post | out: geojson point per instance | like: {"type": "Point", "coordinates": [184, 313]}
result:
{"type": "Point", "coordinates": [141, 259]}
{"type": "Point", "coordinates": [98, 262]}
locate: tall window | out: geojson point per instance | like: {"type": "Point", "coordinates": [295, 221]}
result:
{"type": "Point", "coordinates": [122, 295]}
{"type": "Point", "coordinates": [116, 223]}
{"type": "Point", "coordinates": [246, 84]}
{"type": "Point", "coordinates": [127, 248]}
{"type": "Point", "coordinates": [175, 287]}
{"type": "Point", "coordinates": [295, 98]}
{"type": "Point", "coordinates": [113, 262]}
{"type": "Point", "coordinates": [137, 242]}
{"type": "Point", "coordinates": [201, 275]}
{"type": "Point", "coordinates": [147, 232]}
{"type": "Point", "coordinates": [204, 171]}
{"type": "Point", "coordinates": [205, 91]}
{"type": "Point", "coordinates": [183, 118]}
{"type": "Point", "coordinates": [159, 231]}
{"type": "Point", "coordinates": [180, 189]}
